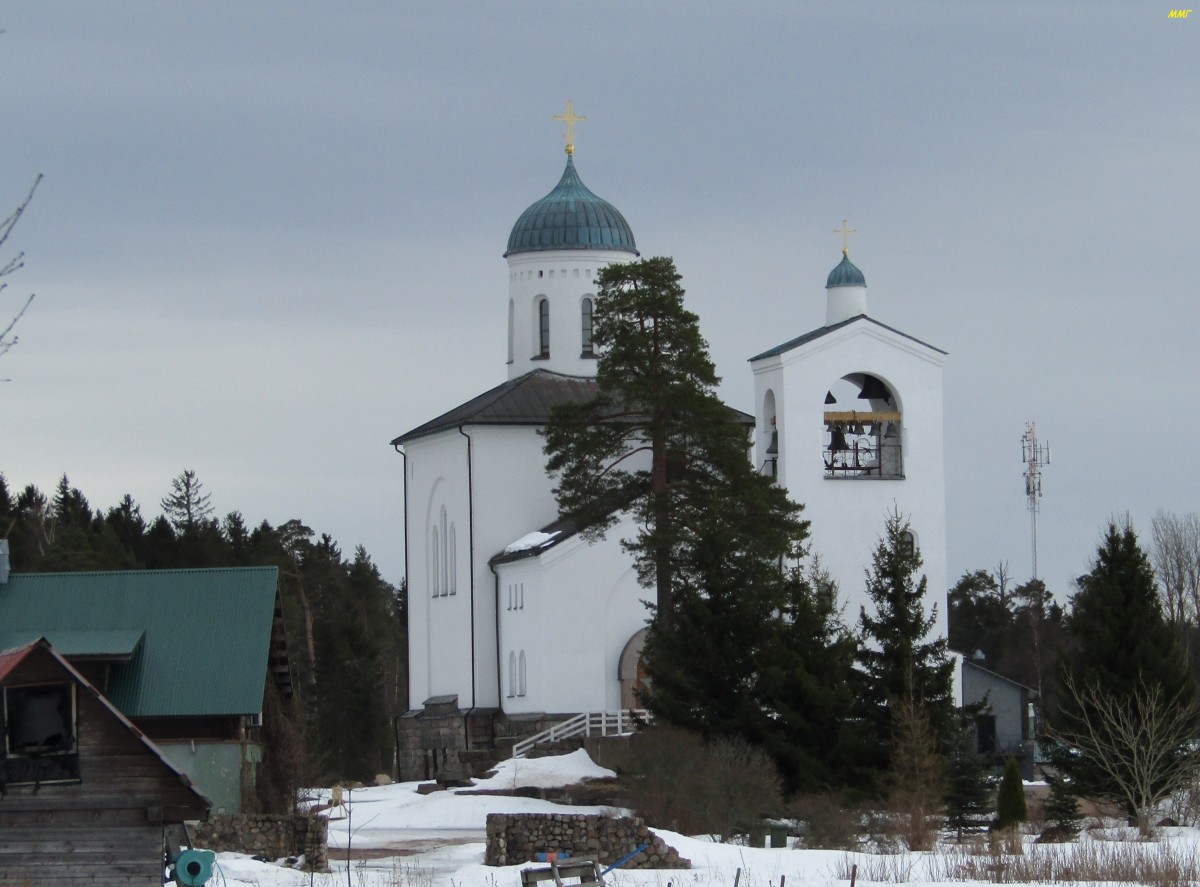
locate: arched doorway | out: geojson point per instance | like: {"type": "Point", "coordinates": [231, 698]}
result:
{"type": "Point", "coordinates": [631, 671]}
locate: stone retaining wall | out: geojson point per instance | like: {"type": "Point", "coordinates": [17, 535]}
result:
{"type": "Point", "coordinates": [272, 836]}
{"type": "Point", "coordinates": [516, 838]}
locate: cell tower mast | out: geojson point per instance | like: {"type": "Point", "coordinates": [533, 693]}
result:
{"type": "Point", "coordinates": [1034, 455]}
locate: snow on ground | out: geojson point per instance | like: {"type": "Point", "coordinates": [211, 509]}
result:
{"type": "Point", "coordinates": [438, 841]}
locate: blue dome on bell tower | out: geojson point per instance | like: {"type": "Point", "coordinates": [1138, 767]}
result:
{"type": "Point", "coordinates": [845, 274]}
{"type": "Point", "coordinates": [571, 217]}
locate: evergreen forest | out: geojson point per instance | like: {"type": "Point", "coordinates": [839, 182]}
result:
{"type": "Point", "coordinates": [346, 626]}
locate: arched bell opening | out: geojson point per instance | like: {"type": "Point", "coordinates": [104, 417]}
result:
{"type": "Point", "coordinates": [769, 432]}
{"type": "Point", "coordinates": [863, 429]}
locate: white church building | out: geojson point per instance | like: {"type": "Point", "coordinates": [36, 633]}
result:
{"type": "Point", "coordinates": [515, 621]}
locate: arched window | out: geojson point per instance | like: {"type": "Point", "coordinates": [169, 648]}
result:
{"type": "Point", "coordinates": [511, 318]}
{"type": "Point", "coordinates": [452, 558]}
{"type": "Point", "coordinates": [444, 566]}
{"type": "Point", "coordinates": [521, 676]}
{"type": "Point", "coordinates": [543, 328]}
{"type": "Point", "coordinates": [512, 674]}
{"type": "Point", "coordinates": [435, 556]}
{"type": "Point", "coordinates": [585, 316]}
{"type": "Point", "coordinates": [863, 429]}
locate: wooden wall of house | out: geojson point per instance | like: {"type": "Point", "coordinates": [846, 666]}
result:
{"type": "Point", "coordinates": [105, 829]}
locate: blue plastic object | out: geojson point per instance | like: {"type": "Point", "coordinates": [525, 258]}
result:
{"type": "Point", "coordinates": [194, 867]}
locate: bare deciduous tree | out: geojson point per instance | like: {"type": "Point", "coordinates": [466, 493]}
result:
{"type": "Point", "coordinates": [1176, 557]}
{"type": "Point", "coordinates": [1142, 742]}
{"type": "Point", "coordinates": [918, 774]}
{"type": "Point", "coordinates": [7, 338]}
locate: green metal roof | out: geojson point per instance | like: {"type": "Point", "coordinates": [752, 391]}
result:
{"type": "Point", "coordinates": [570, 217]}
{"type": "Point", "coordinates": [115, 643]}
{"type": "Point", "coordinates": [205, 634]}
{"type": "Point", "coordinates": [845, 274]}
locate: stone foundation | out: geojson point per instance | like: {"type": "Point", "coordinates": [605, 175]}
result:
{"type": "Point", "coordinates": [516, 838]}
{"type": "Point", "coordinates": [443, 742]}
{"type": "Point", "coordinates": [272, 836]}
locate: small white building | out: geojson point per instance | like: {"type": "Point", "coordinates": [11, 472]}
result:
{"type": "Point", "coordinates": [514, 619]}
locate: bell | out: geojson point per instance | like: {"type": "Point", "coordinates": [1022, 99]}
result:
{"type": "Point", "coordinates": [873, 389]}
{"type": "Point", "coordinates": [837, 440]}
{"type": "Point", "coordinates": [773, 446]}
{"type": "Point", "coordinates": [890, 433]}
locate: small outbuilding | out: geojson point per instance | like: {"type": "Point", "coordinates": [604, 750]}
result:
{"type": "Point", "coordinates": [85, 797]}
{"type": "Point", "coordinates": [186, 655]}
{"type": "Point", "coordinates": [1007, 721]}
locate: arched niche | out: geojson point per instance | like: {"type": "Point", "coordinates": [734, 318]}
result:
{"type": "Point", "coordinates": [863, 429]}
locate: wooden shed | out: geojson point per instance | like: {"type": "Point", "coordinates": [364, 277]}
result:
{"type": "Point", "coordinates": [85, 797]}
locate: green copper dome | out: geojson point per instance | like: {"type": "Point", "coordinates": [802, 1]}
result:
{"type": "Point", "coordinates": [570, 217]}
{"type": "Point", "coordinates": [845, 274]}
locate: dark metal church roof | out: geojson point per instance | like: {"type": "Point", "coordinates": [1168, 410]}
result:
{"type": "Point", "coordinates": [826, 330]}
{"type": "Point", "coordinates": [526, 400]}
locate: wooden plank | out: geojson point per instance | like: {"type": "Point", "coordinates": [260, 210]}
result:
{"type": "Point", "coordinates": [857, 417]}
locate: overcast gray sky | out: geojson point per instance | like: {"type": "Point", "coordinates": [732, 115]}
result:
{"type": "Point", "coordinates": [269, 238]}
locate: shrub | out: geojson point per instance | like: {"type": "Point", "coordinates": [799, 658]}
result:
{"type": "Point", "coordinates": [722, 787]}
{"type": "Point", "coordinates": [1010, 802]}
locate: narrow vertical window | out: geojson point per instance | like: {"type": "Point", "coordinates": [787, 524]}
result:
{"type": "Point", "coordinates": [585, 316]}
{"type": "Point", "coordinates": [543, 312]}
{"type": "Point", "coordinates": [511, 319]}
{"type": "Point", "coordinates": [453, 561]}
{"type": "Point", "coordinates": [521, 676]}
{"type": "Point", "coordinates": [435, 556]}
{"type": "Point", "coordinates": [445, 566]}
{"type": "Point", "coordinates": [522, 592]}
{"type": "Point", "coordinates": [512, 674]}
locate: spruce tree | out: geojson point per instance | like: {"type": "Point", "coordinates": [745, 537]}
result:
{"type": "Point", "coordinates": [968, 784]}
{"type": "Point", "coordinates": [1010, 801]}
{"type": "Point", "coordinates": [899, 662]}
{"type": "Point", "coordinates": [805, 686]}
{"type": "Point", "coordinates": [187, 506]}
{"type": "Point", "coordinates": [1123, 657]}
{"type": "Point", "coordinates": [1062, 811]}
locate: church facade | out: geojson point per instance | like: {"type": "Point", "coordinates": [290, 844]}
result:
{"type": "Point", "coordinates": [515, 621]}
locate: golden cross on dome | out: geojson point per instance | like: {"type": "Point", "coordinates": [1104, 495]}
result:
{"type": "Point", "coordinates": [570, 119]}
{"type": "Point", "coordinates": [845, 232]}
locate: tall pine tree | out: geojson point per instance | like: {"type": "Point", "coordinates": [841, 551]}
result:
{"type": "Point", "coordinates": [658, 440]}
{"type": "Point", "coordinates": [716, 535]}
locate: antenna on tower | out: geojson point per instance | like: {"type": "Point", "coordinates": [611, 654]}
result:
{"type": "Point", "coordinates": [1034, 455]}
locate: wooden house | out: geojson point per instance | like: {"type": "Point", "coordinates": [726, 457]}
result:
{"type": "Point", "coordinates": [85, 797]}
{"type": "Point", "coordinates": [186, 655]}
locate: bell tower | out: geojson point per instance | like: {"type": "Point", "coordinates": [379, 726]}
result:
{"type": "Point", "coordinates": [849, 420]}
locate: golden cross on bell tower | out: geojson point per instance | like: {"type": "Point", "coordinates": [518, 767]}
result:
{"type": "Point", "coordinates": [845, 232]}
{"type": "Point", "coordinates": [570, 119]}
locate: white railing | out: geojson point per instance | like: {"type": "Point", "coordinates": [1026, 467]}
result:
{"type": "Point", "coordinates": [596, 723]}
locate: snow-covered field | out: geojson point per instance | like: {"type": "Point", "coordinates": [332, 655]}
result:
{"type": "Point", "coordinates": [438, 841]}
